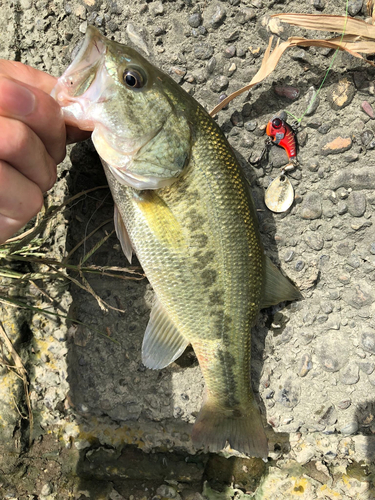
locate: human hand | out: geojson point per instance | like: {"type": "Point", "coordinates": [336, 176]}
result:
{"type": "Point", "coordinates": [32, 142]}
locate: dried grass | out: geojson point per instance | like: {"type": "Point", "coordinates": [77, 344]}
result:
{"type": "Point", "coordinates": [357, 37]}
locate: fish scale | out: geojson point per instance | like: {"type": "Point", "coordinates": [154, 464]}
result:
{"type": "Point", "coordinates": [183, 206]}
{"type": "Point", "coordinates": [238, 263]}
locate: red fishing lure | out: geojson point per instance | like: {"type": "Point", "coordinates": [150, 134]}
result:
{"type": "Point", "coordinates": [282, 134]}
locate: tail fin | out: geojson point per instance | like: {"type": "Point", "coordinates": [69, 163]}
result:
{"type": "Point", "coordinates": [241, 428]}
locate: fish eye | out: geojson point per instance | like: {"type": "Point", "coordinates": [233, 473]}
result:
{"type": "Point", "coordinates": [277, 122]}
{"type": "Point", "coordinates": [133, 78]}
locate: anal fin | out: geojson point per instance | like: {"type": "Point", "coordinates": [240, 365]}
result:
{"type": "Point", "coordinates": [122, 235]}
{"type": "Point", "coordinates": [162, 343]}
{"type": "Point", "coordinates": [277, 287]}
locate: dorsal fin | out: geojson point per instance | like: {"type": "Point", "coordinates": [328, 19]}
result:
{"type": "Point", "coordinates": [277, 287]}
{"type": "Point", "coordinates": [162, 343]}
{"type": "Point", "coordinates": [122, 235]}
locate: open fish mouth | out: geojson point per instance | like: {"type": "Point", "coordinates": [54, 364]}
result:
{"type": "Point", "coordinates": [75, 90]}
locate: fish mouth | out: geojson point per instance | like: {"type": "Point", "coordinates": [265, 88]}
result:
{"type": "Point", "coordinates": [75, 91]}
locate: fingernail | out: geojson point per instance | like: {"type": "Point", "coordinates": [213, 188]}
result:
{"type": "Point", "coordinates": [16, 99]}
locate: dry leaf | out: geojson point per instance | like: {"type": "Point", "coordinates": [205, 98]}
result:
{"type": "Point", "coordinates": [371, 8]}
{"type": "Point", "coordinates": [334, 43]}
{"type": "Point", "coordinates": [269, 63]}
{"type": "Point", "coordinates": [323, 22]}
{"type": "Point", "coordinates": [359, 38]}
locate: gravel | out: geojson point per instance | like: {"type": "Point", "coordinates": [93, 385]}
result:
{"type": "Point", "coordinates": [313, 374]}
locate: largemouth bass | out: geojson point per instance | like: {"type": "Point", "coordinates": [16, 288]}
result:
{"type": "Point", "coordinates": [182, 204]}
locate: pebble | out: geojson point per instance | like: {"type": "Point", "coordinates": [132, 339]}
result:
{"type": "Point", "coordinates": [314, 240]}
{"type": "Point", "coordinates": [350, 428]}
{"type": "Point", "coordinates": [344, 404]}
{"type": "Point", "coordinates": [357, 179]}
{"type": "Point", "coordinates": [299, 265]}
{"type": "Point", "coordinates": [305, 365]}
{"type": "Point", "coordinates": [219, 16]}
{"type": "Point", "coordinates": [361, 81]}
{"type": "Point", "coordinates": [166, 491]}
{"type": "Point", "coordinates": [156, 9]}
{"type": "Point", "coordinates": [367, 108]}
{"type": "Point", "coordinates": [247, 142]}
{"type": "Point", "coordinates": [80, 11]}
{"type": "Point", "coordinates": [318, 4]}
{"type": "Point", "coordinates": [326, 307]}
{"type": "Point", "coordinates": [287, 91]}
{"type": "Point", "coordinates": [328, 415]}
{"type": "Point", "coordinates": [366, 137]}
{"type": "Point", "coordinates": [232, 37]}
{"type": "Point", "coordinates": [311, 207]}
{"type": "Point", "coordinates": [300, 55]}
{"type": "Point", "coordinates": [200, 31]}
{"type": "Point", "coordinates": [230, 51]}
{"type": "Point", "coordinates": [244, 15]}
{"type": "Point", "coordinates": [354, 6]}
{"type": "Point", "coordinates": [342, 94]}
{"type": "Point", "coordinates": [277, 157]}
{"type": "Point", "coordinates": [232, 68]}
{"type": "Point", "coordinates": [312, 102]}
{"type": "Point", "coordinates": [359, 296]}
{"type": "Point", "coordinates": [371, 378]}
{"type": "Point", "coordinates": [306, 337]}
{"type": "Point", "coordinates": [329, 361]}
{"type": "Point", "coordinates": [251, 125]}
{"type": "Point", "coordinates": [324, 128]}
{"type": "Point", "coordinates": [211, 65]}
{"type": "Point", "coordinates": [351, 157]}
{"type": "Point", "coordinates": [342, 193]}
{"type": "Point", "coordinates": [305, 455]}
{"type": "Point", "coordinates": [335, 144]}
{"type": "Point", "coordinates": [83, 27]}
{"type": "Point", "coordinates": [356, 204]}
{"type": "Point", "coordinates": [313, 166]}
{"type": "Point", "coordinates": [288, 396]}
{"type": "Point", "coordinates": [289, 256]}
{"type": "Point", "coordinates": [302, 138]}
{"type": "Point", "coordinates": [354, 261]}
{"type": "Point", "coordinates": [296, 174]}
{"type": "Point", "coordinates": [349, 375]}
{"type": "Point", "coordinates": [219, 83]}
{"type": "Point", "coordinates": [314, 123]}
{"type": "Point", "coordinates": [203, 51]}
{"type": "Point", "coordinates": [260, 131]}
{"type": "Point", "coordinates": [112, 26]}
{"type": "Point", "coordinates": [195, 20]}
{"type": "Point", "coordinates": [368, 341]}
{"type": "Point", "coordinates": [237, 119]}
{"type": "Point", "coordinates": [366, 367]}
{"type": "Point", "coordinates": [46, 489]}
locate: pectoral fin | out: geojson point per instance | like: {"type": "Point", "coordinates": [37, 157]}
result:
{"type": "Point", "coordinates": [277, 287]}
{"type": "Point", "coordinates": [122, 235]}
{"type": "Point", "coordinates": [162, 343]}
{"type": "Point", "coordinates": [160, 219]}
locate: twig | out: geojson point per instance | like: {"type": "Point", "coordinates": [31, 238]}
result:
{"type": "Point", "coordinates": [23, 374]}
{"type": "Point", "coordinates": [86, 238]}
